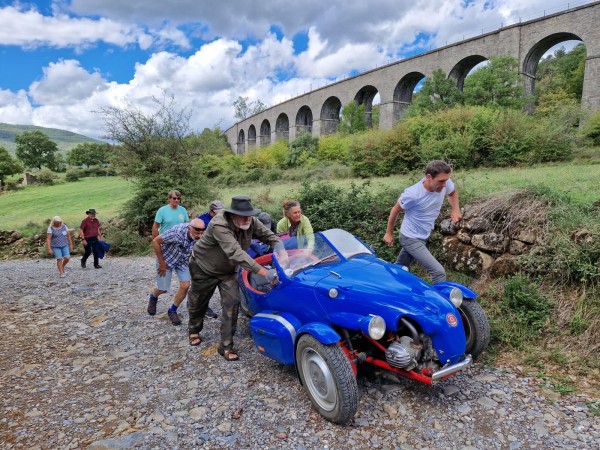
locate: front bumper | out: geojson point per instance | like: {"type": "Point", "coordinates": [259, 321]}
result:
{"type": "Point", "coordinates": [449, 370]}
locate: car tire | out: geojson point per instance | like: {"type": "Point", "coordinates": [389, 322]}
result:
{"type": "Point", "coordinates": [328, 378]}
{"type": "Point", "coordinates": [477, 327]}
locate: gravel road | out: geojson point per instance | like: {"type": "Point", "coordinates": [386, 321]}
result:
{"type": "Point", "coordinates": [84, 366]}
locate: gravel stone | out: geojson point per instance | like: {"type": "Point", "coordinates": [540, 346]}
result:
{"type": "Point", "coordinates": [83, 365]}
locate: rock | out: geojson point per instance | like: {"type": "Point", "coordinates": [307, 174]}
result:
{"type": "Point", "coordinates": [490, 242]}
{"type": "Point", "coordinates": [504, 265]}
{"type": "Point", "coordinates": [463, 236]}
{"type": "Point", "coordinates": [476, 224]}
{"type": "Point", "coordinates": [526, 235]}
{"type": "Point", "coordinates": [517, 247]}
{"type": "Point", "coordinates": [447, 226]}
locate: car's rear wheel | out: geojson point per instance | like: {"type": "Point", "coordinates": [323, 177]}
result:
{"type": "Point", "coordinates": [477, 327]}
{"type": "Point", "coordinates": [328, 378]}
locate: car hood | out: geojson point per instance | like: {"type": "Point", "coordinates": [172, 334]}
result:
{"type": "Point", "coordinates": [368, 285]}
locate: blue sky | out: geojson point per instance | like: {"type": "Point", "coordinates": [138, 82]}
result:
{"type": "Point", "coordinates": [62, 61]}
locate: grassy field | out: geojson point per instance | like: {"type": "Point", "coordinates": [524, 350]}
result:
{"type": "Point", "coordinates": [108, 194]}
{"type": "Point", "coordinates": [69, 200]}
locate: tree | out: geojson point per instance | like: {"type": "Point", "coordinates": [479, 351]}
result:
{"type": "Point", "coordinates": [438, 92]}
{"type": "Point", "coordinates": [8, 165]}
{"type": "Point", "coordinates": [353, 119]}
{"type": "Point", "coordinates": [88, 154]}
{"type": "Point", "coordinates": [210, 142]}
{"type": "Point", "coordinates": [244, 108]}
{"type": "Point", "coordinates": [562, 71]}
{"type": "Point", "coordinates": [156, 155]}
{"type": "Point", "coordinates": [35, 149]}
{"type": "Point", "coordinates": [497, 84]}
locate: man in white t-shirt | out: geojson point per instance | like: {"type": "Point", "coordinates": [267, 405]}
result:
{"type": "Point", "coordinates": [421, 204]}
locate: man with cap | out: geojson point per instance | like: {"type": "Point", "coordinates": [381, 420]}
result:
{"type": "Point", "coordinates": [214, 263]}
{"type": "Point", "coordinates": [215, 207]}
{"type": "Point", "coordinates": [90, 233]}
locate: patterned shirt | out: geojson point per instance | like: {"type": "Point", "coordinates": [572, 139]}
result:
{"type": "Point", "coordinates": [59, 236]}
{"type": "Point", "coordinates": [177, 246]}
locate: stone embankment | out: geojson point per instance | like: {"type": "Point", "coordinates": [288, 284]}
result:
{"type": "Point", "coordinates": [84, 366]}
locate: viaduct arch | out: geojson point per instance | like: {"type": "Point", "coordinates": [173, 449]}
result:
{"type": "Point", "coordinates": [317, 112]}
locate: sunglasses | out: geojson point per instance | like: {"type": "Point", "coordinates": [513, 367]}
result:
{"type": "Point", "coordinates": [176, 198]}
{"type": "Point", "coordinates": [198, 229]}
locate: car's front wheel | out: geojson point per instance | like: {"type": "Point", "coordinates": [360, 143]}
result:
{"type": "Point", "coordinates": [328, 378]}
{"type": "Point", "coordinates": [477, 327]}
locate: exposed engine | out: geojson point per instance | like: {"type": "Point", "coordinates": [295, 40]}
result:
{"type": "Point", "coordinates": [404, 353]}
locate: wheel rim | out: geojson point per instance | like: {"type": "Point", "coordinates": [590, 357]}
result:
{"type": "Point", "coordinates": [468, 326]}
{"type": "Point", "coordinates": [319, 379]}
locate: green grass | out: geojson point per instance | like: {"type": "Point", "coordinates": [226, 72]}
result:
{"type": "Point", "coordinates": [107, 195]}
{"type": "Point", "coordinates": [577, 180]}
{"type": "Point", "coordinates": [69, 200]}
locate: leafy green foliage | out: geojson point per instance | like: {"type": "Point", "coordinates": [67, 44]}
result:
{"type": "Point", "coordinates": [245, 108]}
{"type": "Point", "coordinates": [36, 150]}
{"type": "Point", "coordinates": [562, 72]}
{"type": "Point", "coordinates": [89, 154]}
{"type": "Point", "coordinates": [8, 165]}
{"type": "Point", "coordinates": [334, 147]}
{"type": "Point", "coordinates": [496, 84]}
{"type": "Point", "coordinates": [525, 303]}
{"type": "Point", "coordinates": [154, 152]}
{"type": "Point", "coordinates": [438, 92]}
{"type": "Point", "coordinates": [302, 149]}
{"type": "Point", "coordinates": [353, 119]}
{"type": "Point", "coordinates": [591, 128]}
{"type": "Point", "coordinates": [45, 176]}
{"type": "Point", "coordinates": [359, 210]}
{"type": "Point", "coordinates": [125, 240]}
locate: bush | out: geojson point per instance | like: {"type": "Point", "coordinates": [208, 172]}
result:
{"type": "Point", "coordinates": [509, 140]}
{"type": "Point", "coordinates": [72, 175]}
{"type": "Point", "coordinates": [359, 210]}
{"type": "Point", "coordinates": [12, 185]}
{"type": "Point", "coordinates": [302, 149]}
{"type": "Point", "coordinates": [45, 176]}
{"type": "Point", "coordinates": [334, 147]}
{"type": "Point", "coordinates": [126, 241]}
{"type": "Point", "coordinates": [591, 129]}
{"type": "Point", "coordinates": [525, 303]}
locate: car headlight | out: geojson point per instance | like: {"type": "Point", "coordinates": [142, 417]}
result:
{"type": "Point", "coordinates": [376, 327]}
{"type": "Point", "coordinates": [456, 297]}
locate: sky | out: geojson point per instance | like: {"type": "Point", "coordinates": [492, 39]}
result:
{"type": "Point", "coordinates": [63, 61]}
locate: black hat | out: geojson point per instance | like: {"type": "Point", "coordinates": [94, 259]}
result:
{"type": "Point", "coordinates": [242, 206]}
{"type": "Point", "coordinates": [91, 211]}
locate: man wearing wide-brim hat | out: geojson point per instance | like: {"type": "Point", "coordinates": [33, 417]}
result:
{"type": "Point", "coordinates": [90, 233]}
{"type": "Point", "coordinates": [214, 263]}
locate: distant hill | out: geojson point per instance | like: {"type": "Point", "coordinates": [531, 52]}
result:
{"type": "Point", "coordinates": [65, 140]}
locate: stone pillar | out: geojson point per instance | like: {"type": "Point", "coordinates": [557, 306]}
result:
{"type": "Point", "coordinates": [590, 97]}
{"type": "Point", "coordinates": [386, 116]}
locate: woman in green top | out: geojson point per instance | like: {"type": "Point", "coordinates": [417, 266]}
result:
{"type": "Point", "coordinates": [296, 225]}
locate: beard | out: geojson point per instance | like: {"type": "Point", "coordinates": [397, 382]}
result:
{"type": "Point", "coordinates": [242, 223]}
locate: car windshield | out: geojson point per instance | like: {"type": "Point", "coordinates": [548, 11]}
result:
{"type": "Point", "coordinates": [320, 248]}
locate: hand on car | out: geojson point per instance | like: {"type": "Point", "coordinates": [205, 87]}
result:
{"type": "Point", "coordinates": [272, 277]}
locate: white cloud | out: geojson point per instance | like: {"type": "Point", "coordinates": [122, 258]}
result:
{"type": "Point", "coordinates": [65, 82]}
{"type": "Point", "coordinates": [15, 107]}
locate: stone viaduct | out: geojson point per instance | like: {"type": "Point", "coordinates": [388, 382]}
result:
{"type": "Point", "coordinates": [317, 112]}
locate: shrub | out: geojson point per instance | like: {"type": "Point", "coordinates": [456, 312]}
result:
{"type": "Point", "coordinates": [126, 240]}
{"type": "Point", "coordinates": [45, 176]}
{"type": "Point", "coordinates": [302, 149]}
{"type": "Point", "coordinates": [72, 175]}
{"type": "Point", "coordinates": [551, 141]}
{"type": "Point", "coordinates": [525, 303]}
{"type": "Point", "coordinates": [334, 147]}
{"type": "Point", "coordinates": [509, 139]}
{"type": "Point", "coordinates": [12, 185]}
{"type": "Point", "coordinates": [591, 129]}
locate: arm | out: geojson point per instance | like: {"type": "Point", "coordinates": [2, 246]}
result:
{"type": "Point", "coordinates": [155, 226]}
{"type": "Point", "coordinates": [69, 240]}
{"type": "Point", "coordinates": [388, 238]}
{"type": "Point", "coordinates": [162, 265]}
{"type": "Point", "coordinates": [455, 215]}
{"type": "Point", "coordinates": [48, 239]}
{"type": "Point", "coordinates": [100, 235]}
{"type": "Point", "coordinates": [82, 236]}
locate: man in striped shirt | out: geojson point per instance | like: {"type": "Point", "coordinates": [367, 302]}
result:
{"type": "Point", "coordinates": [173, 249]}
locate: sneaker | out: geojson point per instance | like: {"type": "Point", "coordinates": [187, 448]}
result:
{"type": "Point", "coordinates": [210, 313]}
{"type": "Point", "coordinates": [152, 301]}
{"type": "Point", "coordinates": [175, 320]}
{"type": "Point", "coordinates": [82, 264]}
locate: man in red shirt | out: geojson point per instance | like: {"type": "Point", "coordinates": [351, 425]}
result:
{"type": "Point", "coordinates": [90, 232]}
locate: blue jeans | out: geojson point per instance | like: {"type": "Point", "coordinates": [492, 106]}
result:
{"type": "Point", "coordinates": [416, 249]}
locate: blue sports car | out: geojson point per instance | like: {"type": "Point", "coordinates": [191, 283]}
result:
{"type": "Point", "coordinates": [337, 306]}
